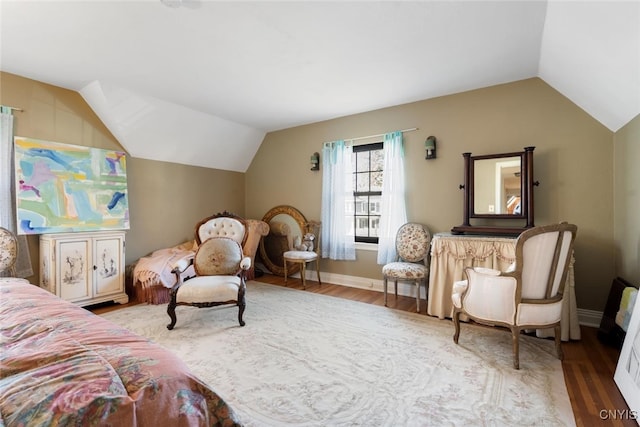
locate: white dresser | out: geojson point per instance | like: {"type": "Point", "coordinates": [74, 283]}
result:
{"type": "Point", "coordinates": [84, 268]}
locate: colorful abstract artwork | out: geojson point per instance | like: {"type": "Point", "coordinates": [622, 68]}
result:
{"type": "Point", "coordinates": [66, 188]}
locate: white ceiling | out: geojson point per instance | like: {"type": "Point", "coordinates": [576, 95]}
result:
{"type": "Point", "coordinates": [201, 83]}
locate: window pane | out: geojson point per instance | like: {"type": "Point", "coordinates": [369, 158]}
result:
{"type": "Point", "coordinates": [362, 182]}
{"type": "Point", "coordinates": [374, 205]}
{"type": "Point", "coordinates": [362, 205]}
{"type": "Point", "coordinates": [362, 226]}
{"type": "Point", "coordinates": [374, 226]}
{"type": "Point", "coordinates": [377, 160]}
{"type": "Point", "coordinates": [362, 161]}
{"type": "Point", "coordinates": [376, 181]}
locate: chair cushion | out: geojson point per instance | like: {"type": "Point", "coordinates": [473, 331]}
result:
{"type": "Point", "coordinates": [202, 289]}
{"type": "Point", "coordinates": [300, 255]}
{"type": "Point", "coordinates": [539, 314]}
{"type": "Point", "coordinates": [218, 256]}
{"type": "Point", "coordinates": [405, 270]}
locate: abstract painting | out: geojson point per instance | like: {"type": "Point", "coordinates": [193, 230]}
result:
{"type": "Point", "coordinates": [69, 188]}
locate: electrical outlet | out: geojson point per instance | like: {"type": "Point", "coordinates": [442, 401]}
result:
{"type": "Point", "coordinates": [492, 208]}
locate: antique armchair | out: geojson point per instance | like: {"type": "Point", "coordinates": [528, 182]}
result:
{"type": "Point", "coordinates": [221, 270]}
{"type": "Point", "coordinates": [306, 253]}
{"type": "Point", "coordinates": [412, 265]}
{"type": "Point", "coordinates": [529, 295]}
{"type": "Point", "coordinates": [247, 232]}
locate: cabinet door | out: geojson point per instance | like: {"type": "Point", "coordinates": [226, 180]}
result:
{"type": "Point", "coordinates": [74, 269]}
{"type": "Point", "coordinates": [108, 258]}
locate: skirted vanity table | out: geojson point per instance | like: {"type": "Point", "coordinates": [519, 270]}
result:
{"type": "Point", "coordinates": [498, 190]}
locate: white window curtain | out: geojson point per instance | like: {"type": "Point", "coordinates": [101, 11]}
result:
{"type": "Point", "coordinates": [7, 192]}
{"type": "Point", "coordinates": [337, 237]}
{"type": "Point", "coordinates": [393, 208]}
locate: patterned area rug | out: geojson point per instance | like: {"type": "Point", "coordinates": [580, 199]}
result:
{"type": "Point", "coordinates": [306, 359]}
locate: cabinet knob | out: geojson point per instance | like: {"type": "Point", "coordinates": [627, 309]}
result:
{"type": "Point", "coordinates": [95, 267]}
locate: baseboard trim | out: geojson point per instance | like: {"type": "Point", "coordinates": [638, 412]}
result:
{"type": "Point", "coordinates": [590, 318]}
{"type": "Point", "coordinates": [586, 317]}
{"type": "Point", "coordinates": [404, 289]}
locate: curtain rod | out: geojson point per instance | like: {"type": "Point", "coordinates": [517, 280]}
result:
{"type": "Point", "coordinates": [370, 136]}
{"type": "Point", "coordinates": [12, 108]}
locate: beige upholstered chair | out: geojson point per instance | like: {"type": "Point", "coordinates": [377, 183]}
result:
{"type": "Point", "coordinates": [412, 263]}
{"type": "Point", "coordinates": [529, 295]}
{"type": "Point", "coordinates": [303, 257]}
{"type": "Point", "coordinates": [220, 279]}
{"type": "Point", "coordinates": [223, 262]}
{"type": "Point", "coordinates": [247, 232]}
{"type": "Point", "coordinates": [8, 251]}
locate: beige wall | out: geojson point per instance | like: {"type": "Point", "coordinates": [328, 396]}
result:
{"type": "Point", "coordinates": [573, 161]}
{"type": "Point", "coordinates": [165, 199]}
{"type": "Point", "coordinates": [626, 192]}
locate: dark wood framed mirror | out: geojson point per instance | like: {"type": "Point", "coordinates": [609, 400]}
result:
{"type": "Point", "coordinates": [498, 188]}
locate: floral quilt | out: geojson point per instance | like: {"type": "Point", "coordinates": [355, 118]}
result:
{"type": "Point", "coordinates": [62, 365]}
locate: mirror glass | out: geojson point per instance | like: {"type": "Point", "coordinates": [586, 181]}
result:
{"type": "Point", "coordinates": [497, 188]}
{"type": "Point", "coordinates": [286, 225]}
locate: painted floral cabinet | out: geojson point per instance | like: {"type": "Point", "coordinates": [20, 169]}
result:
{"type": "Point", "coordinates": [84, 268]}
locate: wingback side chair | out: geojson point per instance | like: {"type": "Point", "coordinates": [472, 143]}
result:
{"type": "Point", "coordinates": [529, 295]}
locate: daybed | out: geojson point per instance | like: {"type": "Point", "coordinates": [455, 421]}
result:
{"type": "Point", "coordinates": [63, 365]}
{"type": "Point", "coordinates": [152, 276]}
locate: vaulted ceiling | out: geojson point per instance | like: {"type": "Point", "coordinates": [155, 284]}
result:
{"type": "Point", "coordinates": [200, 82]}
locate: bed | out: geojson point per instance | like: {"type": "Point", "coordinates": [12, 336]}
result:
{"type": "Point", "coordinates": [63, 365]}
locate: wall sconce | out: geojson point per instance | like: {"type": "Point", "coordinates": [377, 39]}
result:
{"type": "Point", "coordinates": [315, 162]}
{"type": "Point", "coordinates": [430, 146]}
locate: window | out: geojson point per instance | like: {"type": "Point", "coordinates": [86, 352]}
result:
{"type": "Point", "coordinates": [364, 208]}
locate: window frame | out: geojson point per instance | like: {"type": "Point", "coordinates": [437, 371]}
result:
{"type": "Point", "coordinates": [356, 194]}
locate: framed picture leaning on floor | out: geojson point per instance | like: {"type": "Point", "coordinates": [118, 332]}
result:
{"type": "Point", "coordinates": [627, 375]}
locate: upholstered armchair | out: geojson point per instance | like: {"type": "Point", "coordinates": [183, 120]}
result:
{"type": "Point", "coordinates": [412, 262]}
{"type": "Point", "coordinates": [529, 295]}
{"type": "Point", "coordinates": [8, 251]}
{"type": "Point", "coordinates": [221, 270]}
{"type": "Point", "coordinates": [247, 232]}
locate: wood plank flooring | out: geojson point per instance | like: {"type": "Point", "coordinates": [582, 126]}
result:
{"type": "Point", "coordinates": [588, 364]}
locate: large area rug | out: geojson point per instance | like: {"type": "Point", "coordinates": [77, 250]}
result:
{"type": "Point", "coordinates": [306, 359]}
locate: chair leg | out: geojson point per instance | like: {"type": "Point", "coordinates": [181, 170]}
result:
{"type": "Point", "coordinates": [318, 270]}
{"type": "Point", "coordinates": [384, 287]}
{"type": "Point", "coordinates": [417, 296]}
{"type": "Point", "coordinates": [557, 333]}
{"type": "Point", "coordinates": [285, 271]}
{"type": "Point", "coordinates": [171, 311]}
{"type": "Point", "coordinates": [303, 273]}
{"type": "Point", "coordinates": [241, 307]}
{"type": "Point", "coordinates": [395, 287]}
{"type": "Point", "coordinates": [456, 324]}
{"type": "Point", "coordinates": [515, 332]}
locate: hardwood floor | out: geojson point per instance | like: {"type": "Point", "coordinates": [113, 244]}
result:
{"type": "Point", "coordinates": [588, 364]}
